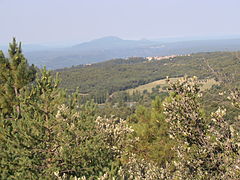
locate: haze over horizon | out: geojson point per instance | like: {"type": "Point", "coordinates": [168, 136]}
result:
{"type": "Point", "coordinates": [75, 21]}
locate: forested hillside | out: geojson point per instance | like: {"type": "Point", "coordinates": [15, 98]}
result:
{"type": "Point", "coordinates": [121, 74]}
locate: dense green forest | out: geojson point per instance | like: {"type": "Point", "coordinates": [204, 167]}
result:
{"type": "Point", "coordinates": [121, 74]}
{"type": "Point", "coordinates": [49, 131]}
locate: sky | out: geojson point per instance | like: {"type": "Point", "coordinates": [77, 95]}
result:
{"type": "Point", "coordinates": [70, 21]}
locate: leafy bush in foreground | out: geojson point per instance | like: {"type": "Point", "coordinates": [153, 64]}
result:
{"type": "Point", "coordinates": [205, 149]}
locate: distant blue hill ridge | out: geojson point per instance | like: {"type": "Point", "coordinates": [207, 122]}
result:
{"type": "Point", "coordinates": [111, 47]}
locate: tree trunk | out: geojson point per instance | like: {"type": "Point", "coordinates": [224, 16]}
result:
{"type": "Point", "coordinates": [17, 106]}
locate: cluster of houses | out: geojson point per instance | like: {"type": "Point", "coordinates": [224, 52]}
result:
{"type": "Point", "coordinates": [164, 57]}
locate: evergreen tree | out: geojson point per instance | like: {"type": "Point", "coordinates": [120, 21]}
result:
{"type": "Point", "coordinates": [150, 126]}
{"type": "Point", "coordinates": [15, 74]}
{"type": "Point", "coordinates": [54, 135]}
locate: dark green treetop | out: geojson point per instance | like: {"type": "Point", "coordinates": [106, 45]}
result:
{"type": "Point", "coordinates": [15, 73]}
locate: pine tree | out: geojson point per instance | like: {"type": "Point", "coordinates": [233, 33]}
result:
{"type": "Point", "coordinates": [55, 134]}
{"type": "Point", "coordinates": [150, 126]}
{"type": "Point", "coordinates": [15, 74]}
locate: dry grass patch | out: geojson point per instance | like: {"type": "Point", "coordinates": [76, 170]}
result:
{"type": "Point", "coordinates": [205, 85]}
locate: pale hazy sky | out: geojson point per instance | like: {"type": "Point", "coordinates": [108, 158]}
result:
{"type": "Point", "coordinates": [49, 21]}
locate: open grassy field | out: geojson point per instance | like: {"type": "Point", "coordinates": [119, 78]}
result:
{"type": "Point", "coordinates": [205, 84]}
{"type": "Point", "coordinates": [208, 83]}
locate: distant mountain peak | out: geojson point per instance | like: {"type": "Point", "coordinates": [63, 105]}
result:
{"type": "Point", "coordinates": [112, 38]}
{"type": "Point", "coordinates": [107, 39]}
{"type": "Point", "coordinates": [112, 42]}
{"type": "Point", "coordinates": [100, 41]}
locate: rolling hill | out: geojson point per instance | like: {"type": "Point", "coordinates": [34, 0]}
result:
{"type": "Point", "coordinates": [122, 74]}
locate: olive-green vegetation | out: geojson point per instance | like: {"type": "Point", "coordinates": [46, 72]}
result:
{"type": "Point", "coordinates": [55, 135]}
{"type": "Point", "coordinates": [50, 133]}
{"type": "Point", "coordinates": [121, 74]}
{"type": "Point", "coordinates": [149, 124]}
{"type": "Point", "coordinates": [207, 147]}
{"type": "Point", "coordinates": [15, 73]}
